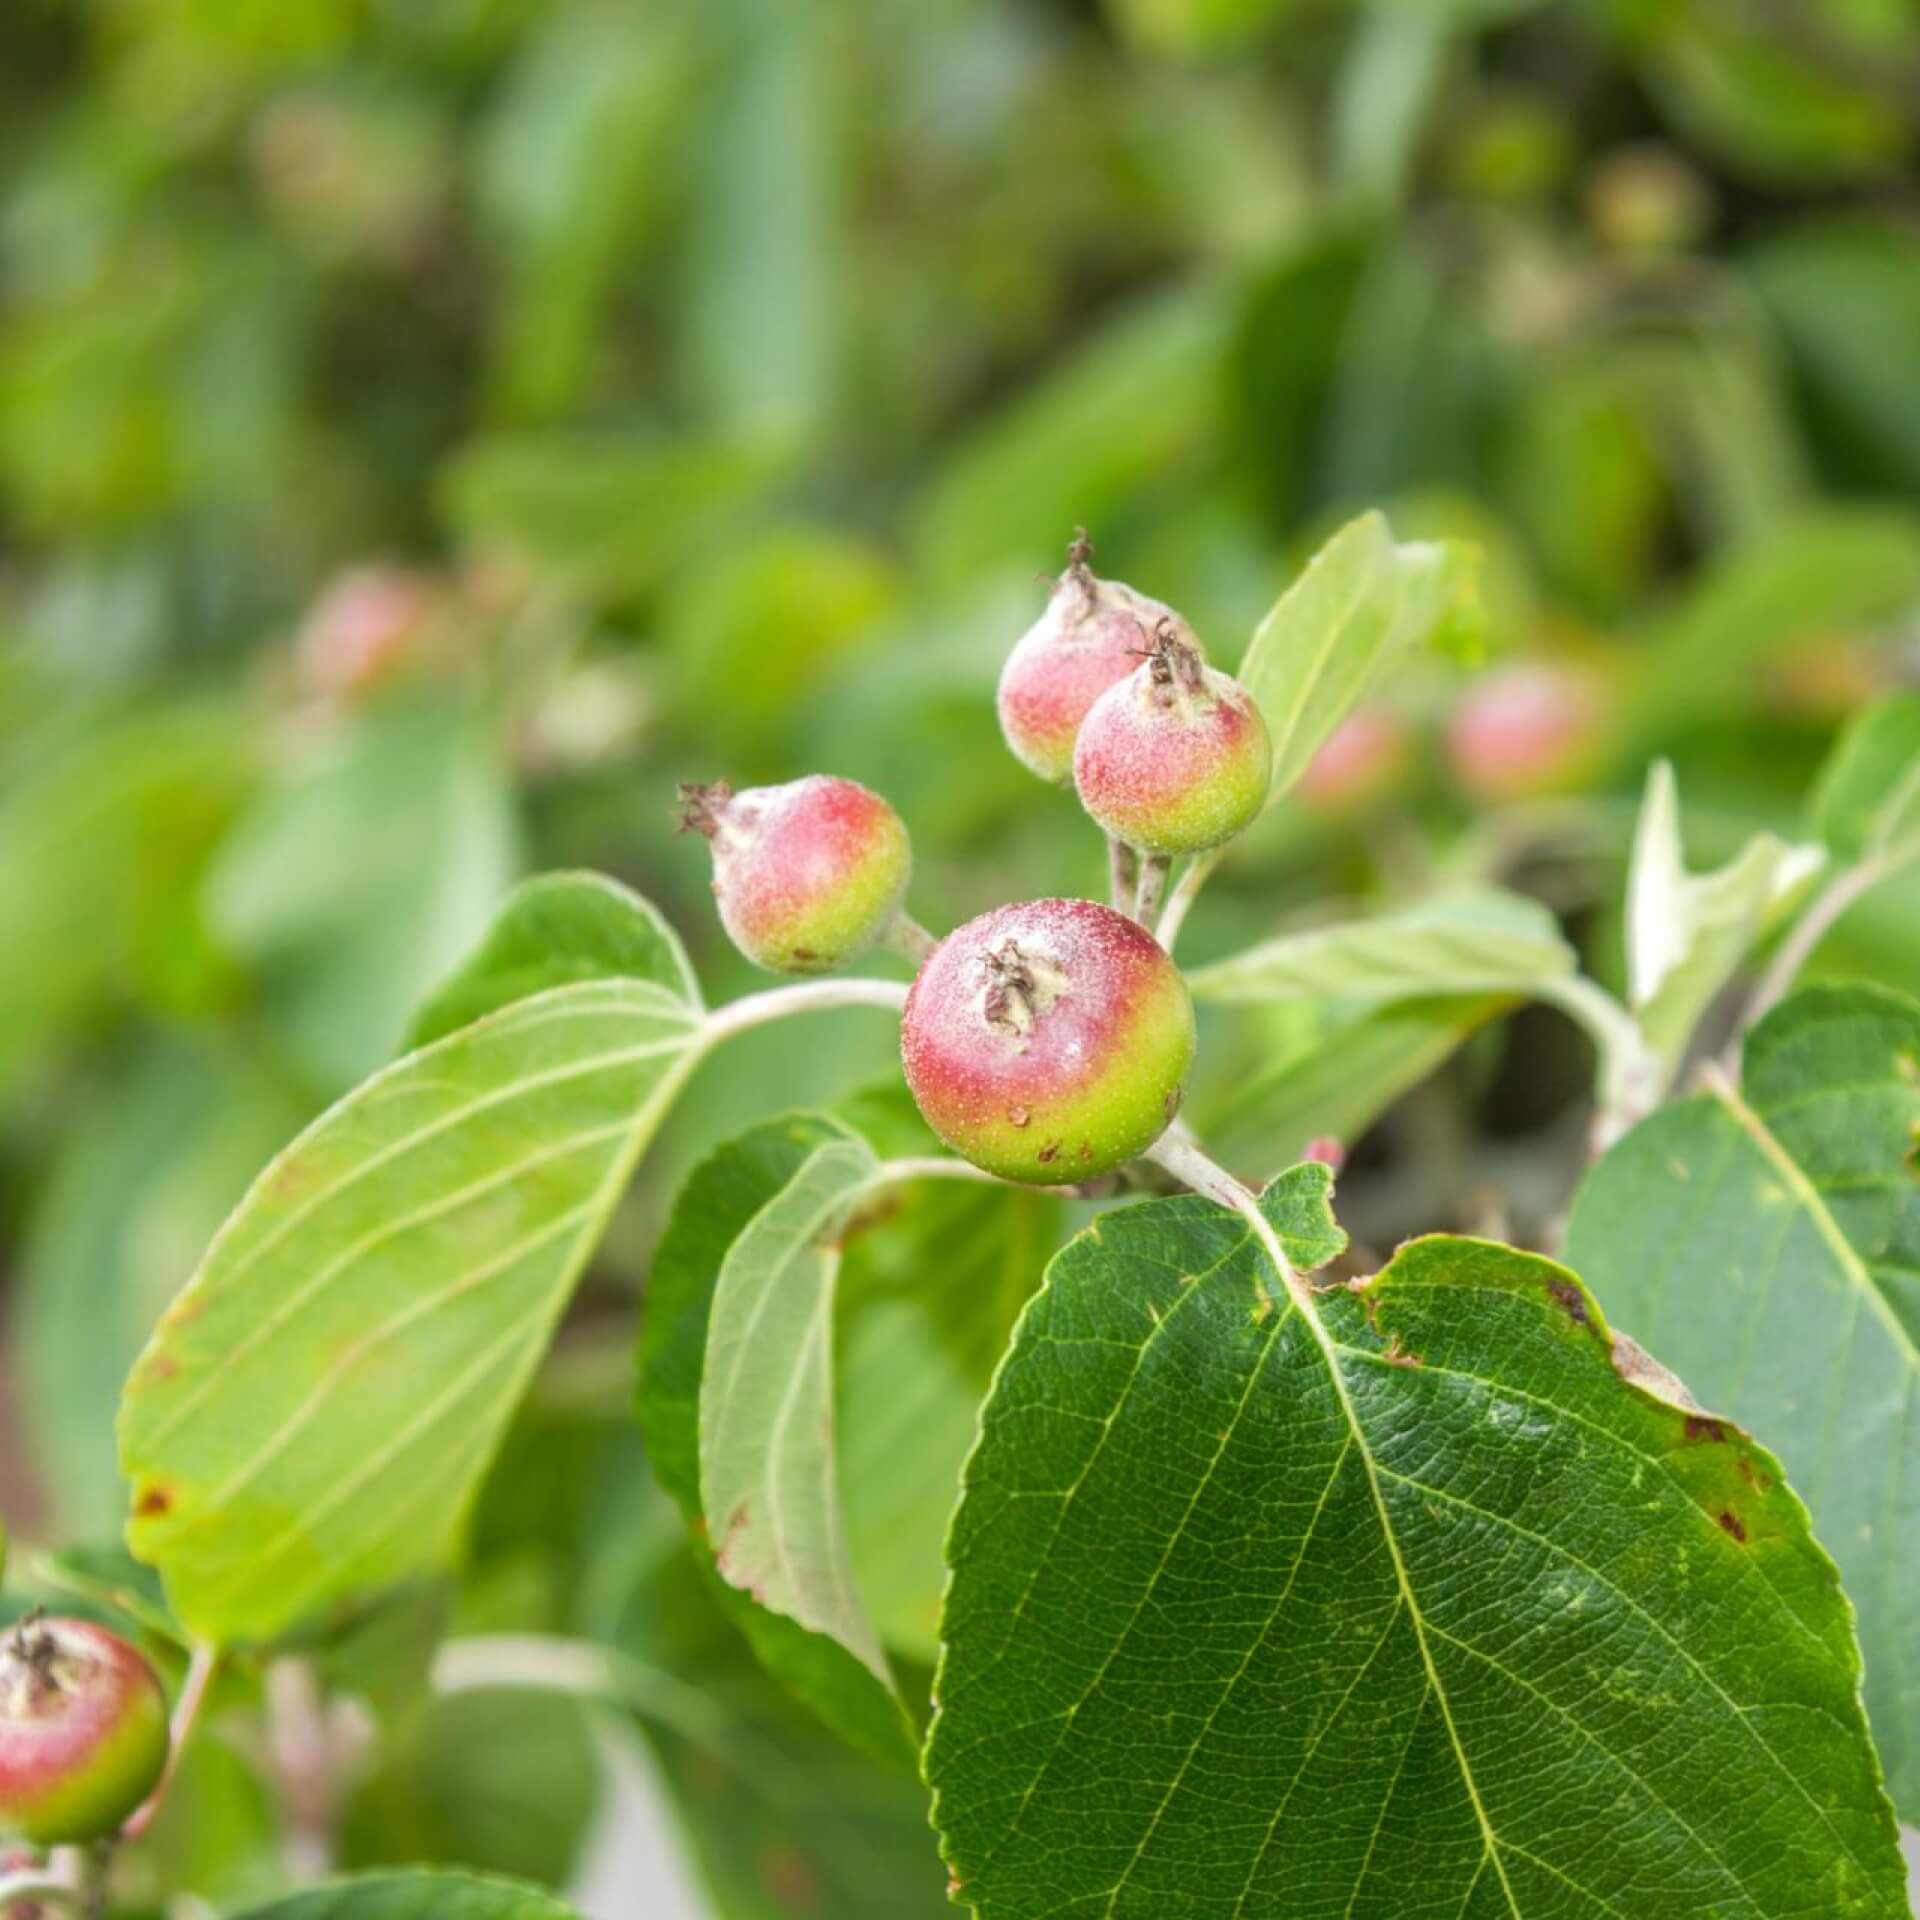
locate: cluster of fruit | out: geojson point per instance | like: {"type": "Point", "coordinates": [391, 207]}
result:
{"type": "Point", "coordinates": [1047, 1041]}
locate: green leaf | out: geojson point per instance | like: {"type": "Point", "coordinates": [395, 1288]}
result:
{"type": "Point", "coordinates": [1845, 292]}
{"type": "Point", "coordinates": [1686, 933]}
{"type": "Point", "coordinates": [1364, 598]}
{"type": "Point", "coordinates": [101, 840]}
{"type": "Point", "coordinates": [419, 1895]}
{"type": "Point", "coordinates": [140, 1180]}
{"type": "Point", "coordinates": [1766, 1243]}
{"type": "Point", "coordinates": [612, 514]}
{"type": "Point", "coordinates": [1332, 1071]}
{"type": "Point", "coordinates": [723, 1198]}
{"type": "Point", "coordinates": [314, 1411]}
{"type": "Point", "coordinates": [552, 931]}
{"type": "Point", "coordinates": [1483, 942]}
{"type": "Point", "coordinates": [1867, 805]}
{"type": "Point", "coordinates": [1082, 443]}
{"type": "Point", "coordinates": [768, 1475]}
{"type": "Point", "coordinates": [932, 1286]}
{"type": "Point", "coordinates": [505, 1779]}
{"type": "Point", "coordinates": [367, 872]}
{"type": "Point", "coordinates": [781, 1818]}
{"type": "Point", "coordinates": [109, 1577]}
{"type": "Point", "coordinates": [1410, 1599]}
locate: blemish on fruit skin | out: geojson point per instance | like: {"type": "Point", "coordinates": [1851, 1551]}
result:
{"type": "Point", "coordinates": [1018, 1116]}
{"type": "Point", "coordinates": [1730, 1523]}
{"type": "Point", "coordinates": [1049, 1153]}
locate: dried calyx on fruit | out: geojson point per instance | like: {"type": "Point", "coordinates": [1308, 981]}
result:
{"type": "Point", "coordinates": [807, 875]}
{"type": "Point", "coordinates": [1091, 635]}
{"type": "Point", "coordinates": [83, 1732]}
{"type": "Point", "coordinates": [1175, 758]}
{"type": "Point", "coordinates": [1048, 1041]}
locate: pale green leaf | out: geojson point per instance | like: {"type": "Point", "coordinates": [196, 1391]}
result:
{"type": "Point", "coordinates": [1332, 1071]}
{"type": "Point", "coordinates": [1766, 1243]}
{"type": "Point", "coordinates": [1686, 933]}
{"type": "Point", "coordinates": [1405, 1599]}
{"type": "Point", "coordinates": [551, 931]}
{"type": "Point", "coordinates": [315, 1410]}
{"type": "Point", "coordinates": [1364, 598]}
{"type": "Point", "coordinates": [422, 1894]}
{"type": "Point", "coordinates": [1487, 942]}
{"type": "Point", "coordinates": [720, 1202]}
{"type": "Point", "coordinates": [768, 1474]}
{"type": "Point", "coordinates": [932, 1286]}
{"type": "Point", "coordinates": [1867, 805]}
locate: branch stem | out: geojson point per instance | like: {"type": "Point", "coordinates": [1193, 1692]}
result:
{"type": "Point", "coordinates": [202, 1664]}
{"type": "Point", "coordinates": [909, 939]}
{"type": "Point", "coordinates": [1123, 874]}
{"type": "Point", "coordinates": [1153, 884]}
{"type": "Point", "coordinates": [1199, 870]}
{"type": "Point", "coordinates": [811, 996]}
{"type": "Point", "coordinates": [35, 1887]}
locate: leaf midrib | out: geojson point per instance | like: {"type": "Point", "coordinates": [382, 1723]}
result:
{"type": "Point", "coordinates": [1302, 1296]}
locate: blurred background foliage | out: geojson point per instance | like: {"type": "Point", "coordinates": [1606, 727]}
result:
{"type": "Point", "coordinates": [429, 428]}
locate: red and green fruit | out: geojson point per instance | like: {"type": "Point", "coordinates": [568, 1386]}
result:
{"type": "Point", "coordinates": [83, 1732]}
{"type": "Point", "coordinates": [1048, 1041]}
{"type": "Point", "coordinates": [807, 875]}
{"type": "Point", "coordinates": [1093, 633]}
{"type": "Point", "coordinates": [1175, 758]}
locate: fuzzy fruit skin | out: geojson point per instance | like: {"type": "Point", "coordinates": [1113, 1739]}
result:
{"type": "Point", "coordinates": [1175, 758]}
{"type": "Point", "coordinates": [1048, 1041]}
{"type": "Point", "coordinates": [809, 874]}
{"type": "Point", "coordinates": [1093, 633]}
{"type": "Point", "coordinates": [83, 1733]}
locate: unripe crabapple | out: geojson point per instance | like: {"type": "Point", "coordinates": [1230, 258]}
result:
{"type": "Point", "coordinates": [1092, 633]}
{"type": "Point", "coordinates": [1048, 1041]}
{"type": "Point", "coordinates": [807, 875]}
{"type": "Point", "coordinates": [1176, 758]}
{"type": "Point", "coordinates": [83, 1732]}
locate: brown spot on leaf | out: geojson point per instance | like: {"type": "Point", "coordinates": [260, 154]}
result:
{"type": "Point", "coordinates": [161, 1367]}
{"type": "Point", "coordinates": [1699, 1427]}
{"type": "Point", "coordinates": [154, 1500]}
{"type": "Point", "coordinates": [1730, 1523]}
{"type": "Point", "coordinates": [1397, 1356]}
{"type": "Point", "coordinates": [1758, 1481]}
{"type": "Point", "coordinates": [1571, 1301]}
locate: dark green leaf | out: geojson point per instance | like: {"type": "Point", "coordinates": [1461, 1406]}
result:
{"type": "Point", "coordinates": [1766, 1243]}
{"type": "Point", "coordinates": [1402, 1600]}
